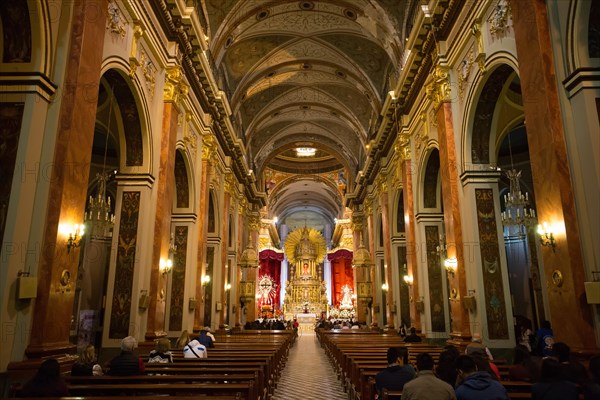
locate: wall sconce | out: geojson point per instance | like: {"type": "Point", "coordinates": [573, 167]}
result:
{"type": "Point", "coordinates": [192, 304]}
{"type": "Point", "coordinates": [165, 266]}
{"type": "Point", "coordinates": [546, 236]}
{"type": "Point", "coordinates": [228, 286]}
{"type": "Point", "coordinates": [74, 234]}
{"type": "Point", "coordinates": [205, 280]}
{"type": "Point", "coordinates": [385, 287]}
{"type": "Point", "coordinates": [451, 265]}
{"type": "Point", "coordinates": [408, 279]}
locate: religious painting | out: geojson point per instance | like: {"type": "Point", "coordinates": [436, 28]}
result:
{"type": "Point", "coordinates": [434, 273]}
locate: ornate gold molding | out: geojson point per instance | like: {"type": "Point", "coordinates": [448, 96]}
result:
{"type": "Point", "coordinates": [382, 183]}
{"type": "Point", "coordinates": [498, 22]}
{"type": "Point", "coordinates": [357, 223]}
{"type": "Point", "coordinates": [175, 88]}
{"type": "Point", "coordinates": [254, 222]}
{"type": "Point", "coordinates": [209, 147]}
{"type": "Point", "coordinates": [479, 49]}
{"type": "Point", "coordinates": [134, 63]}
{"type": "Point", "coordinates": [115, 22]}
{"type": "Point", "coordinates": [189, 137]}
{"type": "Point", "coordinates": [242, 206]}
{"type": "Point", "coordinates": [230, 183]}
{"type": "Point", "coordinates": [438, 90]}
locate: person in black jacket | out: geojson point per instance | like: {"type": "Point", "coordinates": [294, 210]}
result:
{"type": "Point", "coordinates": [204, 339]}
{"type": "Point", "coordinates": [396, 374]}
{"type": "Point", "coordinates": [553, 385]}
{"type": "Point", "coordinates": [127, 363]}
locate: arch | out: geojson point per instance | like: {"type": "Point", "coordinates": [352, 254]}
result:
{"type": "Point", "coordinates": [16, 32]}
{"type": "Point", "coordinates": [483, 116]}
{"type": "Point", "coordinates": [182, 196]}
{"type": "Point", "coordinates": [399, 211]}
{"type": "Point", "coordinates": [431, 180]}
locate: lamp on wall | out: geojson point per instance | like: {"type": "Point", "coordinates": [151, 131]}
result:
{"type": "Point", "coordinates": [74, 234]}
{"type": "Point", "coordinates": [546, 236]}
{"type": "Point", "coordinates": [385, 287]}
{"type": "Point", "coordinates": [451, 265]}
{"type": "Point", "coordinates": [165, 266]}
{"type": "Point", "coordinates": [408, 279]}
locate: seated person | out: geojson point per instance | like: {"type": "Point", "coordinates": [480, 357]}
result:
{"type": "Point", "coordinates": [553, 384]}
{"type": "Point", "coordinates": [161, 354]}
{"type": "Point", "coordinates": [472, 384]}
{"type": "Point", "coordinates": [86, 363]}
{"type": "Point", "coordinates": [204, 339]}
{"type": "Point", "coordinates": [47, 382]}
{"type": "Point", "coordinates": [127, 363]}
{"type": "Point", "coordinates": [426, 386]}
{"type": "Point", "coordinates": [477, 345]}
{"type": "Point", "coordinates": [573, 370]}
{"type": "Point", "coordinates": [209, 334]}
{"type": "Point", "coordinates": [194, 350]}
{"type": "Point", "coordinates": [396, 374]}
{"type": "Point", "coordinates": [523, 367]}
{"type": "Point", "coordinates": [413, 337]}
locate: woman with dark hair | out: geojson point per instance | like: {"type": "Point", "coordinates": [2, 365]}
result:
{"type": "Point", "coordinates": [523, 368]}
{"type": "Point", "coordinates": [47, 382]}
{"type": "Point", "coordinates": [552, 385]}
{"type": "Point", "coordinates": [446, 368]}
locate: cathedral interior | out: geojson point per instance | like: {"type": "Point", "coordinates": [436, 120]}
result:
{"type": "Point", "coordinates": [173, 164]}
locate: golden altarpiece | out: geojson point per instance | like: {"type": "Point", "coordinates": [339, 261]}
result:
{"type": "Point", "coordinates": [306, 291]}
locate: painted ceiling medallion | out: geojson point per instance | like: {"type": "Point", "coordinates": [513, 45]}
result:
{"type": "Point", "coordinates": [306, 5]}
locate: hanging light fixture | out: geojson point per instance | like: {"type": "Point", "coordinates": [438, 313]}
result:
{"type": "Point", "coordinates": [517, 215]}
{"type": "Point", "coordinates": [99, 215]}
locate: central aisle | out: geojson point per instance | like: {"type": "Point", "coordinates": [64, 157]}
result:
{"type": "Point", "coordinates": [308, 374]}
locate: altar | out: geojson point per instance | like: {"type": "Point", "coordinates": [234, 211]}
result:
{"type": "Point", "coordinates": [306, 318]}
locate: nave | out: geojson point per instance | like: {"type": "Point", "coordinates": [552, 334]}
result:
{"type": "Point", "coordinates": [307, 373]}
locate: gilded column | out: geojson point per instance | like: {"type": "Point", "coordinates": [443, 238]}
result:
{"type": "Point", "coordinates": [208, 150]}
{"type": "Point", "coordinates": [382, 188]}
{"type": "Point", "coordinates": [563, 266]}
{"type": "Point", "coordinates": [361, 262]}
{"type": "Point", "coordinates": [69, 174]}
{"type": "Point", "coordinates": [438, 90]}
{"type": "Point", "coordinates": [174, 88]}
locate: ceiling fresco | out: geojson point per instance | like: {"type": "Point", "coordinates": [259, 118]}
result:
{"type": "Point", "coordinates": [306, 74]}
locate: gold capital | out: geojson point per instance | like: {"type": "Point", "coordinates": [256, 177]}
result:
{"type": "Point", "coordinates": [208, 147]}
{"type": "Point", "coordinates": [438, 90]}
{"type": "Point", "coordinates": [175, 88]}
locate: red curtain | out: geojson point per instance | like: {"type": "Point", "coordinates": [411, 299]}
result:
{"type": "Point", "coordinates": [270, 264]}
{"type": "Point", "coordinates": [341, 273]}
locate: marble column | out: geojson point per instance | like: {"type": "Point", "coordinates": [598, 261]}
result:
{"type": "Point", "coordinates": [69, 174]}
{"type": "Point", "coordinates": [411, 241]}
{"type": "Point", "coordinates": [361, 273]}
{"type": "Point", "coordinates": [165, 190]}
{"type": "Point", "coordinates": [229, 190]}
{"type": "Point", "coordinates": [563, 266]}
{"type": "Point", "coordinates": [460, 330]}
{"type": "Point", "coordinates": [372, 268]}
{"type": "Point", "coordinates": [387, 252]}
{"type": "Point", "coordinates": [208, 151]}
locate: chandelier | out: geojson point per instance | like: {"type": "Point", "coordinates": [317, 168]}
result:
{"type": "Point", "coordinates": [99, 215]}
{"type": "Point", "coordinates": [517, 214]}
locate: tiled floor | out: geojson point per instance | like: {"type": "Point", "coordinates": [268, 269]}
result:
{"type": "Point", "coordinates": [308, 374]}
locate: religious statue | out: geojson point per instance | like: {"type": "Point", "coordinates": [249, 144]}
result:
{"type": "Point", "coordinates": [346, 297]}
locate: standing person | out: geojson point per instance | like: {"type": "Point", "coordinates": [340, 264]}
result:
{"type": "Point", "coordinates": [127, 363]}
{"type": "Point", "coordinates": [162, 353]}
{"type": "Point", "coordinates": [476, 385]}
{"type": "Point", "coordinates": [544, 340]}
{"type": "Point", "coordinates": [553, 386]}
{"type": "Point", "coordinates": [86, 363]}
{"type": "Point", "coordinates": [47, 382]}
{"type": "Point", "coordinates": [413, 337]}
{"type": "Point", "coordinates": [426, 386]}
{"type": "Point", "coordinates": [395, 375]}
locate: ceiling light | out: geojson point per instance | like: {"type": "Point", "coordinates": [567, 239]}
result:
{"type": "Point", "coordinates": [305, 151]}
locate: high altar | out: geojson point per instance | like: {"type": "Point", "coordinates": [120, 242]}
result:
{"type": "Point", "coordinates": [306, 291]}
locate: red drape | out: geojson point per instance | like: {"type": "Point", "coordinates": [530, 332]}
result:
{"type": "Point", "coordinates": [341, 273]}
{"type": "Point", "coordinates": [270, 264]}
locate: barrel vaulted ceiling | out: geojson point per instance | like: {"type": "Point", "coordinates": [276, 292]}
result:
{"type": "Point", "coordinates": [306, 74]}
